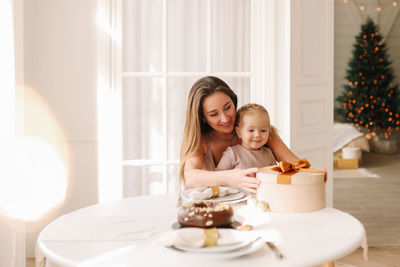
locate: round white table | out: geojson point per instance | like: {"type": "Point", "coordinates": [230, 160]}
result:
{"type": "Point", "coordinates": [122, 233]}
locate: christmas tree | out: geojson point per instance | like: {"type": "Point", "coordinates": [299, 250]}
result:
{"type": "Point", "coordinates": [370, 100]}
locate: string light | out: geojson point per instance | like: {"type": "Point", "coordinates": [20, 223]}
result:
{"type": "Point", "coordinates": [378, 7]}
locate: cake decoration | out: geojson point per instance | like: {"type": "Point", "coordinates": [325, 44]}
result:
{"type": "Point", "coordinates": [259, 204]}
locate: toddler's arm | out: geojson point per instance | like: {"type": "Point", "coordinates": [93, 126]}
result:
{"type": "Point", "coordinates": [227, 161]}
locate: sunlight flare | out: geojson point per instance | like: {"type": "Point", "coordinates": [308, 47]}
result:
{"type": "Point", "coordinates": [33, 179]}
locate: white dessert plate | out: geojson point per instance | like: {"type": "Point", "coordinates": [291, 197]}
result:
{"type": "Point", "coordinates": [243, 197]}
{"type": "Point", "coordinates": [229, 198]}
{"type": "Point", "coordinates": [214, 249]}
{"type": "Point", "coordinates": [237, 197]}
{"type": "Point", "coordinates": [250, 248]}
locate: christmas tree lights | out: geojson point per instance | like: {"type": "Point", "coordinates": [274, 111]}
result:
{"type": "Point", "coordinates": [370, 100]}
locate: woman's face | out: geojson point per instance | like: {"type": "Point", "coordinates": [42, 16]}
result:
{"type": "Point", "coordinates": [219, 112]}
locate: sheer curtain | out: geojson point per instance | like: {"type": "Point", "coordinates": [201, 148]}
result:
{"type": "Point", "coordinates": [165, 50]}
{"type": "Point", "coordinates": [12, 231]}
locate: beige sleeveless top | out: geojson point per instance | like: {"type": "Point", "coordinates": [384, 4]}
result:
{"type": "Point", "coordinates": [239, 157]}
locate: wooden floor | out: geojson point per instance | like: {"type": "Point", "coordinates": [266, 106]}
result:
{"type": "Point", "coordinates": [377, 257]}
{"type": "Point", "coordinates": [376, 204]}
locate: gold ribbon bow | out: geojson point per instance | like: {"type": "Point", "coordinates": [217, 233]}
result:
{"type": "Point", "coordinates": [287, 169]}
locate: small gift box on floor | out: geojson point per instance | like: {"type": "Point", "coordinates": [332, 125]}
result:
{"type": "Point", "coordinates": [341, 163]}
{"type": "Point", "coordinates": [350, 159]}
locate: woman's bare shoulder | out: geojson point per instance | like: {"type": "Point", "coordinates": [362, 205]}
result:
{"type": "Point", "coordinates": [203, 148]}
{"type": "Point", "coordinates": [195, 161]}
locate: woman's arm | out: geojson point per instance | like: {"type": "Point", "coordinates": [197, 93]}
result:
{"type": "Point", "coordinates": [280, 150]}
{"type": "Point", "coordinates": [195, 176]}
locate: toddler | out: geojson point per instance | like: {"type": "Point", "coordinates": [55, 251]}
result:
{"type": "Point", "coordinates": [253, 129]}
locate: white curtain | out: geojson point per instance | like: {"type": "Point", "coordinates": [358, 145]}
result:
{"type": "Point", "coordinates": [12, 230]}
{"type": "Point", "coordinates": [188, 43]}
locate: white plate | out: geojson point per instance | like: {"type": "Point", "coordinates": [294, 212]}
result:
{"type": "Point", "coordinates": [239, 196]}
{"type": "Point", "coordinates": [250, 248]}
{"type": "Point", "coordinates": [215, 249]}
{"type": "Point", "coordinates": [244, 197]}
{"type": "Point", "coordinates": [231, 197]}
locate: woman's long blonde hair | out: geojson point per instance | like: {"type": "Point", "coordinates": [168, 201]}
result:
{"type": "Point", "coordinates": [196, 125]}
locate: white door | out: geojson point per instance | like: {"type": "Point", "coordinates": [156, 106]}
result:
{"type": "Point", "coordinates": [311, 86]}
{"type": "Point", "coordinates": [298, 77]}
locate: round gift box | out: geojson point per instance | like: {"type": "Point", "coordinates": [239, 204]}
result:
{"type": "Point", "coordinates": [351, 153]}
{"type": "Point", "coordinates": [293, 192]}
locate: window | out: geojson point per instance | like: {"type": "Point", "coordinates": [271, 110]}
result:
{"type": "Point", "coordinates": [166, 46]}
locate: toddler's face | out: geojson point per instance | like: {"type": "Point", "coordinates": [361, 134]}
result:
{"type": "Point", "coordinates": [253, 130]}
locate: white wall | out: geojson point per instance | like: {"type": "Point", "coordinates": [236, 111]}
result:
{"type": "Point", "coordinates": [393, 43]}
{"type": "Point", "coordinates": [60, 73]}
{"type": "Point", "coordinates": [347, 26]}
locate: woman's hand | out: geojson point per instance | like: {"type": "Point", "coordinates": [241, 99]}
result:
{"type": "Point", "coordinates": [244, 179]}
{"type": "Point", "coordinates": [239, 178]}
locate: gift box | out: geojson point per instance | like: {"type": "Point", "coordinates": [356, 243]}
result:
{"type": "Point", "coordinates": [296, 191]}
{"type": "Point", "coordinates": [351, 153]}
{"type": "Point", "coordinates": [341, 163]}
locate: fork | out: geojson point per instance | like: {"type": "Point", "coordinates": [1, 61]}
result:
{"type": "Point", "coordinates": [274, 249]}
{"type": "Point", "coordinates": [238, 225]}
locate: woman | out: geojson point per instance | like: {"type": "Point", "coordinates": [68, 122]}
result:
{"type": "Point", "coordinates": [209, 130]}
